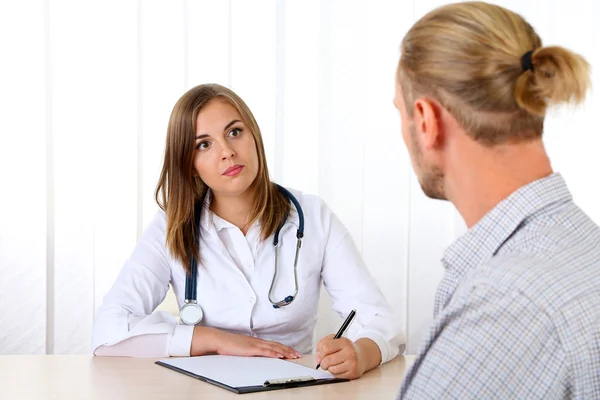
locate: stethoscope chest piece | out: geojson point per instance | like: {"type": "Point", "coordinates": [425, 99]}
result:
{"type": "Point", "coordinates": [191, 313]}
{"type": "Point", "coordinates": [284, 302]}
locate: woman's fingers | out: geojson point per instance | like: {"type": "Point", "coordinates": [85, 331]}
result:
{"type": "Point", "coordinates": [266, 352]}
{"type": "Point", "coordinates": [288, 352]}
{"type": "Point", "coordinates": [339, 370]}
{"type": "Point", "coordinates": [282, 349]}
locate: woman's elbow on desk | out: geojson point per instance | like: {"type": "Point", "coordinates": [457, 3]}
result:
{"type": "Point", "coordinates": [155, 345]}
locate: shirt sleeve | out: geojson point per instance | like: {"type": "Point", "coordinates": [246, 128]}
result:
{"type": "Point", "coordinates": [126, 323]}
{"type": "Point", "coordinates": [351, 286]}
{"type": "Point", "coordinates": [491, 345]}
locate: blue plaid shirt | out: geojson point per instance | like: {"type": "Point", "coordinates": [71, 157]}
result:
{"type": "Point", "coordinates": [517, 314]}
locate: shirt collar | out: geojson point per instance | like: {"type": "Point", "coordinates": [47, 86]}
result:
{"type": "Point", "coordinates": [208, 219]}
{"type": "Point", "coordinates": [486, 237]}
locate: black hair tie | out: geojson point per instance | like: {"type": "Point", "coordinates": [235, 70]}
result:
{"type": "Point", "coordinates": [527, 62]}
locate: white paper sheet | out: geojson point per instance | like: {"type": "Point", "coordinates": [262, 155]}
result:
{"type": "Point", "coordinates": [244, 371]}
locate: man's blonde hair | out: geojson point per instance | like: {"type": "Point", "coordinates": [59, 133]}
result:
{"type": "Point", "coordinates": [468, 56]}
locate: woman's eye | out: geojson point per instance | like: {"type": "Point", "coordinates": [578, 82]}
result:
{"type": "Point", "coordinates": [203, 145]}
{"type": "Point", "coordinates": [235, 132]}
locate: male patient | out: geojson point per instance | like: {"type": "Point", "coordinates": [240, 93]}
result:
{"type": "Point", "coordinates": [517, 314]}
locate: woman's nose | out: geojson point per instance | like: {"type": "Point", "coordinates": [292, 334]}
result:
{"type": "Point", "coordinates": [227, 153]}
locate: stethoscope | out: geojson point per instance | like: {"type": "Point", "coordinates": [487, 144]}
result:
{"type": "Point", "coordinates": [191, 313]}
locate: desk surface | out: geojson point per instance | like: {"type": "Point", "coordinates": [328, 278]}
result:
{"type": "Point", "coordinates": [87, 377]}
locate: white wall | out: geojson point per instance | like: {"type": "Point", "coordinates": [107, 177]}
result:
{"type": "Point", "coordinates": [86, 89]}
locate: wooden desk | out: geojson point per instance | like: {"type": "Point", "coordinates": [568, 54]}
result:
{"type": "Point", "coordinates": [87, 377]}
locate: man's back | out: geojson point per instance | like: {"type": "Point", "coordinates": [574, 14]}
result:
{"type": "Point", "coordinates": [553, 261]}
{"type": "Point", "coordinates": [518, 310]}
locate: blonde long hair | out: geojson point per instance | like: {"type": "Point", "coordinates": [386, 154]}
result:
{"type": "Point", "coordinates": [468, 57]}
{"type": "Point", "coordinates": [178, 190]}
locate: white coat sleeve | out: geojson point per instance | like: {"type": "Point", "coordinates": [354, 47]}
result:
{"type": "Point", "coordinates": [351, 286]}
{"type": "Point", "coordinates": [126, 323]}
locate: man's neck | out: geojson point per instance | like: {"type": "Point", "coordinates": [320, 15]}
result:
{"type": "Point", "coordinates": [485, 176]}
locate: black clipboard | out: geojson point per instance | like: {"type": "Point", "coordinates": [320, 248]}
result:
{"type": "Point", "coordinates": [274, 384]}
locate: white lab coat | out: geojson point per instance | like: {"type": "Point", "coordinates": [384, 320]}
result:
{"type": "Point", "coordinates": [234, 277]}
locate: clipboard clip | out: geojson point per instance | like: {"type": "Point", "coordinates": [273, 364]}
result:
{"type": "Point", "coordinates": [286, 381]}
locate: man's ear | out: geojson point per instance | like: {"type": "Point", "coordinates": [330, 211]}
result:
{"type": "Point", "coordinates": [427, 123]}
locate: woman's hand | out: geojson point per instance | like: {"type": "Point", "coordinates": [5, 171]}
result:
{"type": "Point", "coordinates": [210, 340]}
{"type": "Point", "coordinates": [346, 359]}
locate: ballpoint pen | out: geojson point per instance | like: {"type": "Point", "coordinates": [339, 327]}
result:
{"type": "Point", "coordinates": [343, 328]}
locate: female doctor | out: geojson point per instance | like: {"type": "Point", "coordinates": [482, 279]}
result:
{"type": "Point", "coordinates": [245, 257]}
